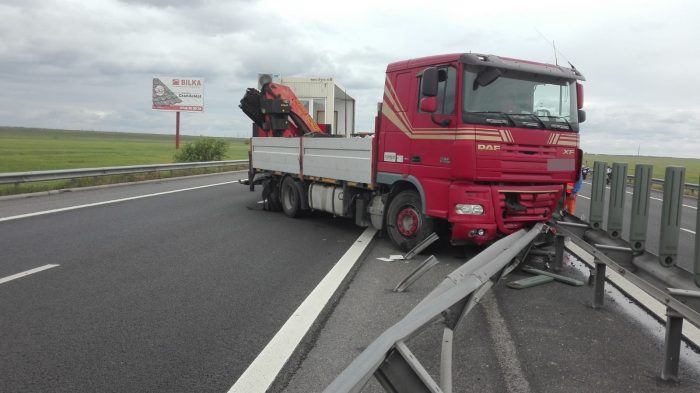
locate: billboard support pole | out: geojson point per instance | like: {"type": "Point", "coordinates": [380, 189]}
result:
{"type": "Point", "coordinates": [177, 130]}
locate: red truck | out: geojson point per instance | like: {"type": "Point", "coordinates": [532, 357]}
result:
{"type": "Point", "coordinates": [481, 142]}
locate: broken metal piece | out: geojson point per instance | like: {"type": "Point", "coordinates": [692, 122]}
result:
{"type": "Point", "coordinates": [416, 274]}
{"type": "Point", "coordinates": [558, 277]}
{"type": "Point", "coordinates": [683, 292]}
{"type": "Point", "coordinates": [530, 282]}
{"type": "Point", "coordinates": [421, 246]}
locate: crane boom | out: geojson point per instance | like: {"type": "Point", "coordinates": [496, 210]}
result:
{"type": "Point", "coordinates": [271, 109]}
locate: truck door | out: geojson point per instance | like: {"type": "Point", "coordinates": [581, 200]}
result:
{"type": "Point", "coordinates": [433, 139]}
{"type": "Point", "coordinates": [434, 133]}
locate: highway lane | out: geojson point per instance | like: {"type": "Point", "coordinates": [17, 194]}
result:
{"type": "Point", "coordinates": [688, 221]}
{"type": "Point", "coordinates": [177, 292]}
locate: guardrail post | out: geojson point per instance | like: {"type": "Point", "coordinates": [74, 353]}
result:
{"type": "Point", "coordinates": [599, 286]}
{"type": "Point", "coordinates": [598, 194]}
{"type": "Point", "coordinates": [402, 372]}
{"type": "Point", "coordinates": [640, 206]}
{"type": "Point", "coordinates": [671, 215]}
{"type": "Point", "coordinates": [674, 332]}
{"type": "Point", "coordinates": [446, 360]}
{"type": "Point", "coordinates": [618, 190]}
{"type": "Point", "coordinates": [558, 261]}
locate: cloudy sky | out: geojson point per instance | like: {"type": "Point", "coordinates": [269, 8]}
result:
{"type": "Point", "coordinates": [89, 64]}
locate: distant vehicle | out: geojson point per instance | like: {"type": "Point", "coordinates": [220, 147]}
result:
{"type": "Point", "coordinates": [482, 142]}
{"type": "Point", "coordinates": [585, 171]}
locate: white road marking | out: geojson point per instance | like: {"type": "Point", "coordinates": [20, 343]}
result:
{"type": "Point", "coordinates": [63, 209]}
{"type": "Point", "coordinates": [258, 377]}
{"type": "Point", "coordinates": [584, 197]}
{"type": "Point", "coordinates": [26, 273]}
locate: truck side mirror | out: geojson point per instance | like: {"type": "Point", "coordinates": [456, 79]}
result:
{"type": "Point", "coordinates": [428, 104]}
{"type": "Point", "coordinates": [579, 95]}
{"type": "Point", "coordinates": [581, 115]}
{"type": "Point", "coordinates": [429, 82]}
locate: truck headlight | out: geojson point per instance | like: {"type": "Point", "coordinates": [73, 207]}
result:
{"type": "Point", "coordinates": [475, 210]}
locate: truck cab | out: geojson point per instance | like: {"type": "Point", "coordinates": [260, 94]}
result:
{"type": "Point", "coordinates": [486, 143]}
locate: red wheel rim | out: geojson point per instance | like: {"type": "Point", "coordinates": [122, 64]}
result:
{"type": "Point", "coordinates": [407, 221]}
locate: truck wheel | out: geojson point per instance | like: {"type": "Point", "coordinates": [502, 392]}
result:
{"type": "Point", "coordinates": [271, 195]}
{"type": "Point", "coordinates": [405, 223]}
{"type": "Point", "coordinates": [290, 198]}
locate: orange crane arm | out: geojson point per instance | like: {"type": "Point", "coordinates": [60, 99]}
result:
{"type": "Point", "coordinates": [276, 111]}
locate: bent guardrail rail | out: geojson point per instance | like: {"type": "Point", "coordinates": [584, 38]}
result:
{"type": "Point", "coordinates": [23, 177]}
{"type": "Point", "coordinates": [657, 275]}
{"type": "Point", "coordinates": [390, 360]}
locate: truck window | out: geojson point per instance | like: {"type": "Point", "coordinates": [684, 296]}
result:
{"type": "Point", "coordinates": [447, 86]}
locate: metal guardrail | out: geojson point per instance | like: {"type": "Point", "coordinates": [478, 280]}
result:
{"type": "Point", "coordinates": [693, 188]}
{"type": "Point", "coordinates": [390, 360]}
{"type": "Point", "coordinates": [23, 177]}
{"type": "Point", "coordinates": [657, 275]}
{"type": "Point", "coordinates": [397, 369]}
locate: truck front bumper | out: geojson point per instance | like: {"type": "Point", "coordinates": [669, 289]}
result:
{"type": "Point", "coordinates": [505, 210]}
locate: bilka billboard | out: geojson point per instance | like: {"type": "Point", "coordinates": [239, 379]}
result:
{"type": "Point", "coordinates": [178, 94]}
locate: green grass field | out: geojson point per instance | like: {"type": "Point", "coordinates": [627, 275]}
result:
{"type": "Point", "coordinates": [32, 149]}
{"type": "Point", "coordinates": [691, 165]}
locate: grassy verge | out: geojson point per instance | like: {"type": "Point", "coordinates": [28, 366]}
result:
{"type": "Point", "coordinates": [691, 165]}
{"type": "Point", "coordinates": [35, 149]}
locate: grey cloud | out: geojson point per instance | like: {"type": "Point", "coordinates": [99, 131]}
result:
{"type": "Point", "coordinates": [90, 64]}
{"type": "Point", "coordinates": [165, 3]}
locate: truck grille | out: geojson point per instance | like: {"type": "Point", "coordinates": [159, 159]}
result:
{"type": "Point", "coordinates": [517, 163]}
{"type": "Point", "coordinates": [518, 208]}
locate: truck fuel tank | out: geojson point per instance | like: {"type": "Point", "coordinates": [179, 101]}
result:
{"type": "Point", "coordinates": [327, 198]}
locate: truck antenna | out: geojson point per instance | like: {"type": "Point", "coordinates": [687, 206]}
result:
{"type": "Point", "coordinates": [554, 47]}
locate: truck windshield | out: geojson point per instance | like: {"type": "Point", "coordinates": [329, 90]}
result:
{"type": "Point", "coordinates": [521, 100]}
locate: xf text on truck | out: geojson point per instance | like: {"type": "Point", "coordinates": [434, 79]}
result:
{"type": "Point", "coordinates": [481, 142]}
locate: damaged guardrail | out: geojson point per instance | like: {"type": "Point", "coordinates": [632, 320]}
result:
{"type": "Point", "coordinates": [390, 360]}
{"type": "Point", "coordinates": [23, 177]}
{"type": "Point", "coordinates": [656, 274]}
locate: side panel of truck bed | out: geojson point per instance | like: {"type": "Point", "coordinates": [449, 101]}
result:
{"type": "Point", "coordinates": [347, 159]}
{"type": "Point", "coordinates": [276, 154]}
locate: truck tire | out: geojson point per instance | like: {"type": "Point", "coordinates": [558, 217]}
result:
{"type": "Point", "coordinates": [290, 198]}
{"type": "Point", "coordinates": [405, 223]}
{"type": "Point", "coordinates": [271, 195]}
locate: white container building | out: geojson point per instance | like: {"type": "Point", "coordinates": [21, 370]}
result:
{"type": "Point", "coordinates": [321, 97]}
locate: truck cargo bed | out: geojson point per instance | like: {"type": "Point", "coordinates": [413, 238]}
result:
{"type": "Point", "coordinates": [346, 159]}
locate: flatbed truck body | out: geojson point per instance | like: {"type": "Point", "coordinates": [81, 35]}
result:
{"type": "Point", "coordinates": [483, 143]}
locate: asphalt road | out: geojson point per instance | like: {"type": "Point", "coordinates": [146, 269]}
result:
{"type": "Point", "coordinates": [542, 339]}
{"type": "Point", "coordinates": [177, 292]}
{"type": "Point", "coordinates": [686, 239]}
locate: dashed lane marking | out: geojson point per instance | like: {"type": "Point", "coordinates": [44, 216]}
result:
{"type": "Point", "coordinates": [26, 273]}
